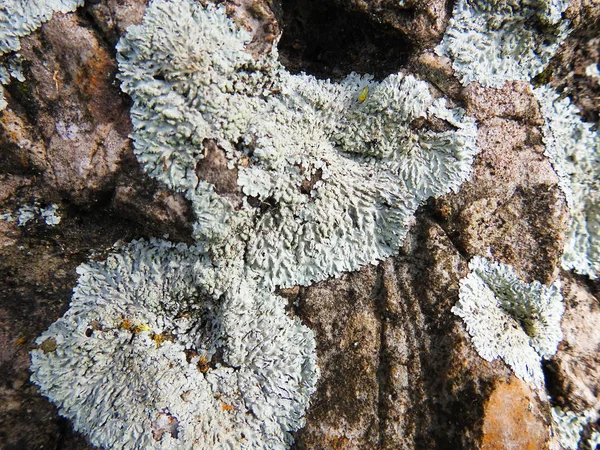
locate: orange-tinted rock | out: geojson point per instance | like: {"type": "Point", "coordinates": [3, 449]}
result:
{"type": "Point", "coordinates": [513, 419]}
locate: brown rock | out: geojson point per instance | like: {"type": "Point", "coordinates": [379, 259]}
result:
{"type": "Point", "coordinates": [575, 370]}
{"type": "Point", "coordinates": [213, 169]}
{"type": "Point", "coordinates": [422, 23]}
{"type": "Point", "coordinates": [22, 148]}
{"type": "Point", "coordinates": [514, 101]}
{"type": "Point", "coordinates": [80, 118]}
{"type": "Point", "coordinates": [511, 209]}
{"type": "Point", "coordinates": [398, 368]}
{"type": "Point", "coordinates": [585, 16]}
{"type": "Point", "coordinates": [438, 71]}
{"type": "Point", "coordinates": [114, 16]}
{"type": "Point", "coordinates": [258, 18]}
{"type": "Point", "coordinates": [342, 312]}
{"type": "Point", "coordinates": [568, 74]}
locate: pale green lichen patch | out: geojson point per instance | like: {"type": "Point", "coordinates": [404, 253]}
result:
{"type": "Point", "coordinates": [331, 173]}
{"type": "Point", "coordinates": [568, 426]}
{"type": "Point", "coordinates": [592, 71]}
{"type": "Point", "coordinates": [510, 319]}
{"type": "Point", "coordinates": [19, 18]}
{"type": "Point", "coordinates": [574, 149]}
{"type": "Point", "coordinates": [159, 350]}
{"type": "Point", "coordinates": [492, 42]}
{"type": "Point", "coordinates": [33, 212]}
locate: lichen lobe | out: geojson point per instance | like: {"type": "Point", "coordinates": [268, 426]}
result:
{"type": "Point", "coordinates": [510, 319]}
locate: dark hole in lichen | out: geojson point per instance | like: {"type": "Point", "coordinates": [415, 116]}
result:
{"type": "Point", "coordinates": [94, 325]}
{"type": "Point", "coordinates": [214, 169]}
{"type": "Point", "coordinates": [263, 205]}
{"type": "Point", "coordinates": [324, 40]}
{"type": "Point", "coordinates": [432, 123]}
{"type": "Point", "coordinates": [307, 185]}
{"type": "Point", "coordinates": [160, 338]}
{"type": "Point", "coordinates": [203, 361]}
{"type": "Point", "coordinates": [554, 383]}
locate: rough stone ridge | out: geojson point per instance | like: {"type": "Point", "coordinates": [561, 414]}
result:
{"type": "Point", "coordinates": [330, 173]}
{"type": "Point", "coordinates": [510, 319]}
{"type": "Point", "coordinates": [159, 351]}
{"type": "Point", "coordinates": [492, 42]}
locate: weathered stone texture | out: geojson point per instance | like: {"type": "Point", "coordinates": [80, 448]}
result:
{"type": "Point", "coordinates": [421, 23]}
{"type": "Point", "coordinates": [69, 98]}
{"type": "Point", "coordinates": [113, 17]}
{"type": "Point", "coordinates": [398, 368]}
{"type": "Point", "coordinates": [343, 314]}
{"type": "Point", "coordinates": [575, 371]}
{"type": "Point", "coordinates": [512, 209]}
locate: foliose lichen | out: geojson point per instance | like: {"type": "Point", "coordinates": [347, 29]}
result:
{"type": "Point", "coordinates": [19, 18]}
{"type": "Point", "coordinates": [492, 42]}
{"type": "Point", "coordinates": [27, 213]}
{"type": "Point", "coordinates": [574, 149]}
{"type": "Point", "coordinates": [161, 350]}
{"type": "Point", "coordinates": [48, 214]}
{"type": "Point", "coordinates": [568, 426]}
{"type": "Point", "coordinates": [329, 176]}
{"type": "Point", "coordinates": [510, 319]}
{"type": "Point", "coordinates": [592, 71]}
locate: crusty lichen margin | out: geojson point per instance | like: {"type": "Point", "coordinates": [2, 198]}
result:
{"type": "Point", "coordinates": [574, 150]}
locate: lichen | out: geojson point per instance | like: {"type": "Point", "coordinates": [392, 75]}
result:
{"type": "Point", "coordinates": [594, 440]}
{"type": "Point", "coordinates": [19, 18]}
{"type": "Point", "coordinates": [50, 215]}
{"type": "Point", "coordinates": [568, 426]}
{"type": "Point", "coordinates": [592, 71]}
{"type": "Point", "coordinates": [330, 173]}
{"type": "Point", "coordinates": [160, 349]}
{"type": "Point", "coordinates": [492, 42]}
{"type": "Point", "coordinates": [574, 149]}
{"type": "Point", "coordinates": [510, 319]}
{"type": "Point", "coordinates": [27, 213]}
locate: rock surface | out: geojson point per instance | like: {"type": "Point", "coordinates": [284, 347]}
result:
{"type": "Point", "coordinates": [398, 368]}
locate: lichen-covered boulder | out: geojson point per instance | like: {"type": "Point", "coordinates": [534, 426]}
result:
{"type": "Point", "coordinates": [292, 177]}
